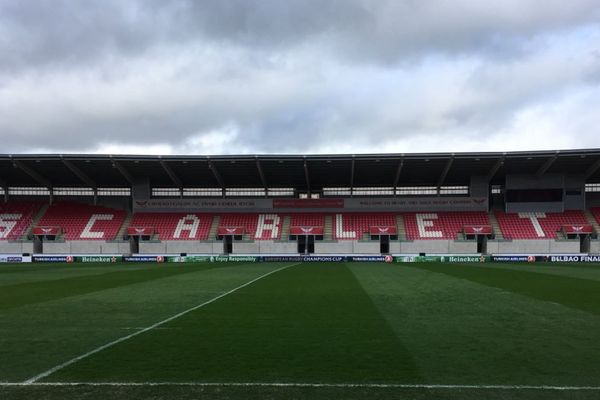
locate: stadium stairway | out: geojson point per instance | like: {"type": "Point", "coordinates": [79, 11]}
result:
{"type": "Point", "coordinates": [126, 222]}
{"type": "Point", "coordinates": [592, 220]}
{"type": "Point", "coordinates": [495, 226]}
{"type": "Point", "coordinates": [285, 228]}
{"type": "Point", "coordinates": [400, 227]}
{"type": "Point", "coordinates": [34, 221]}
{"type": "Point", "coordinates": [214, 228]}
{"type": "Point", "coordinates": [328, 228]}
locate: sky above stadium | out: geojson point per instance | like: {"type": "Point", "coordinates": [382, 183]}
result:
{"type": "Point", "coordinates": [322, 76]}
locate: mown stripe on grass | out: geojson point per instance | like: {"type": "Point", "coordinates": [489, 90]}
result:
{"type": "Point", "coordinates": [146, 329]}
{"type": "Point", "coordinates": [581, 294]}
{"type": "Point", "coordinates": [21, 294]}
{"type": "Point", "coordinates": [311, 323]}
{"type": "Point", "coordinates": [463, 332]}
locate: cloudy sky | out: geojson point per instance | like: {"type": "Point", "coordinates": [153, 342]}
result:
{"type": "Point", "coordinates": [311, 76]}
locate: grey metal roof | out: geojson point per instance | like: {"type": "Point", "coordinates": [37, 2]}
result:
{"type": "Point", "coordinates": [290, 171]}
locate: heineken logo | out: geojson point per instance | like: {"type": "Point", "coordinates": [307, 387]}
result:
{"type": "Point", "coordinates": [465, 259]}
{"type": "Point", "coordinates": [99, 259]}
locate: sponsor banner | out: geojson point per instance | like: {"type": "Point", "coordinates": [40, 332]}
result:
{"type": "Point", "coordinates": [477, 230]}
{"type": "Point", "coordinates": [231, 258]}
{"type": "Point", "coordinates": [226, 231]}
{"type": "Point", "coordinates": [144, 259]}
{"type": "Point", "coordinates": [324, 258]}
{"type": "Point", "coordinates": [405, 259]}
{"type": "Point", "coordinates": [305, 258]}
{"type": "Point", "coordinates": [186, 259]}
{"type": "Point", "coordinates": [11, 259]}
{"type": "Point", "coordinates": [387, 259]}
{"type": "Point", "coordinates": [308, 203]}
{"type": "Point", "coordinates": [306, 230]}
{"type": "Point", "coordinates": [391, 204]}
{"type": "Point", "coordinates": [140, 231]}
{"type": "Point", "coordinates": [46, 230]}
{"type": "Point", "coordinates": [98, 259]}
{"type": "Point", "coordinates": [459, 258]}
{"type": "Point", "coordinates": [419, 204]}
{"type": "Point", "coordinates": [595, 258]}
{"type": "Point", "coordinates": [513, 258]}
{"type": "Point", "coordinates": [577, 229]}
{"type": "Point", "coordinates": [53, 259]}
{"type": "Point", "coordinates": [280, 258]}
{"type": "Point", "coordinates": [382, 230]}
{"type": "Point", "coordinates": [202, 204]}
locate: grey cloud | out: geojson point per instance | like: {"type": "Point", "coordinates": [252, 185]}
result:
{"type": "Point", "coordinates": [286, 76]}
{"type": "Point", "coordinates": [66, 33]}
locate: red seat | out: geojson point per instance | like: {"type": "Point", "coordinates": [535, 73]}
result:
{"type": "Point", "coordinates": [175, 226]}
{"type": "Point", "coordinates": [83, 221]}
{"type": "Point", "coordinates": [440, 225]}
{"type": "Point", "coordinates": [596, 213]}
{"type": "Point", "coordinates": [352, 226]}
{"type": "Point", "coordinates": [534, 225]}
{"type": "Point", "coordinates": [259, 226]}
{"type": "Point", "coordinates": [16, 218]}
{"type": "Point", "coordinates": [307, 220]}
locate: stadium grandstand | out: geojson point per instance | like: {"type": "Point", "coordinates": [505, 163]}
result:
{"type": "Point", "coordinates": [439, 203]}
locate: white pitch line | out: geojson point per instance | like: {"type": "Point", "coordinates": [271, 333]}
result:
{"type": "Point", "coordinates": [312, 385]}
{"type": "Point", "coordinates": [124, 338]}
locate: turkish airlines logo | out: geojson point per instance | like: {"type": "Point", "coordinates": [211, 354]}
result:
{"type": "Point", "coordinates": [577, 228]}
{"type": "Point", "coordinates": [141, 203]}
{"type": "Point", "coordinates": [477, 229]}
{"type": "Point", "coordinates": [140, 230]}
{"type": "Point", "coordinates": [306, 230]}
{"type": "Point", "coordinates": [46, 230]}
{"type": "Point", "coordinates": [388, 259]}
{"type": "Point", "coordinates": [231, 230]}
{"type": "Point", "coordinates": [383, 230]}
{"type": "Point", "coordinates": [70, 259]}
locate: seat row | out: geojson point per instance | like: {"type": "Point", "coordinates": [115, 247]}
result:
{"type": "Point", "coordinates": [79, 221]}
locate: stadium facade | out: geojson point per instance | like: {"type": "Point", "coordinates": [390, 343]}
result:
{"type": "Point", "coordinates": [535, 202]}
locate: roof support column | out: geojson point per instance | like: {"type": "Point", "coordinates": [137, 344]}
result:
{"type": "Point", "coordinates": [174, 178]}
{"type": "Point", "coordinates": [213, 168]}
{"type": "Point", "coordinates": [123, 172]}
{"type": "Point", "coordinates": [262, 177]}
{"type": "Point", "coordinates": [352, 177]}
{"type": "Point", "coordinates": [492, 172]}
{"type": "Point", "coordinates": [397, 178]}
{"type": "Point", "coordinates": [307, 177]}
{"type": "Point", "coordinates": [444, 173]}
{"type": "Point", "coordinates": [33, 174]}
{"type": "Point", "coordinates": [542, 170]}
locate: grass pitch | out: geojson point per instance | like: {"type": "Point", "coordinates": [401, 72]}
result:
{"type": "Point", "coordinates": [346, 330]}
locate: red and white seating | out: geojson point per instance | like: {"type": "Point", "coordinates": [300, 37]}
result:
{"type": "Point", "coordinates": [352, 226]}
{"type": "Point", "coordinates": [537, 225]}
{"type": "Point", "coordinates": [84, 222]}
{"type": "Point", "coordinates": [441, 225]}
{"type": "Point", "coordinates": [175, 226]}
{"type": "Point", "coordinates": [16, 218]}
{"type": "Point", "coordinates": [307, 224]}
{"type": "Point", "coordinates": [596, 214]}
{"type": "Point", "coordinates": [259, 226]}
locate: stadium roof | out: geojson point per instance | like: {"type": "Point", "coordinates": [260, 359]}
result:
{"type": "Point", "coordinates": [301, 172]}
